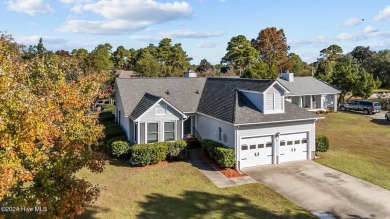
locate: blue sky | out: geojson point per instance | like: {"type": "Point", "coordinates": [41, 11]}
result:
{"type": "Point", "coordinates": [203, 27]}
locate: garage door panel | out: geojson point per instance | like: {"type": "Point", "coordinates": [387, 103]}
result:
{"type": "Point", "coordinates": [293, 147]}
{"type": "Point", "coordinates": [256, 151]}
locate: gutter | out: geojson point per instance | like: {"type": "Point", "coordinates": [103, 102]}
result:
{"type": "Point", "coordinates": [258, 123]}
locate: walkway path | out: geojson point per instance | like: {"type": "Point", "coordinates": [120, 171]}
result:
{"type": "Point", "coordinates": [220, 180]}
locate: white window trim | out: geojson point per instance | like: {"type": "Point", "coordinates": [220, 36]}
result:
{"type": "Point", "coordinates": [146, 131]}
{"type": "Point", "coordinates": [174, 129]}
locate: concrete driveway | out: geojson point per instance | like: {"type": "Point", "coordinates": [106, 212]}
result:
{"type": "Point", "coordinates": [321, 189]}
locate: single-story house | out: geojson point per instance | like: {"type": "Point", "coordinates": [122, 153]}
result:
{"type": "Point", "coordinates": [309, 92]}
{"type": "Point", "coordinates": [251, 116]}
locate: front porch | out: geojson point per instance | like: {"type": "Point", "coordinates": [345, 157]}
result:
{"type": "Point", "coordinates": [315, 102]}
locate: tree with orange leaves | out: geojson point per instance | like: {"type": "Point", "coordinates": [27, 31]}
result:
{"type": "Point", "coordinates": [46, 131]}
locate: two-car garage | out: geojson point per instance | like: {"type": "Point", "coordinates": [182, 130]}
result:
{"type": "Point", "coordinates": [273, 149]}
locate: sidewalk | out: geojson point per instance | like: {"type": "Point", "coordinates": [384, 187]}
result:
{"type": "Point", "coordinates": [220, 180]}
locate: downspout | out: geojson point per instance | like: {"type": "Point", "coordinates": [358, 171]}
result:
{"type": "Point", "coordinates": [237, 148]}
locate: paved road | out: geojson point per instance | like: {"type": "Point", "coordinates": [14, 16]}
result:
{"type": "Point", "coordinates": [321, 189]}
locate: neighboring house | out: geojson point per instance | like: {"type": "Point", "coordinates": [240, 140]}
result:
{"type": "Point", "coordinates": [126, 74]}
{"type": "Point", "coordinates": [251, 116]}
{"type": "Point", "coordinates": [309, 93]}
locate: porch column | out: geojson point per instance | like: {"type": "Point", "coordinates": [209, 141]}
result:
{"type": "Point", "coordinates": [335, 103]}
{"type": "Point", "coordinates": [311, 102]}
{"type": "Point", "coordinates": [323, 98]}
{"type": "Point", "coordinates": [192, 125]}
{"type": "Point", "coordinates": [300, 102]}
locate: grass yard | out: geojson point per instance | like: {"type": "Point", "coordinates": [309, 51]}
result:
{"type": "Point", "coordinates": [359, 146]}
{"type": "Point", "coordinates": [178, 190]}
{"type": "Point", "coordinates": [382, 90]}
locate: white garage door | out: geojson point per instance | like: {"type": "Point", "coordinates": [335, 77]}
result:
{"type": "Point", "coordinates": [256, 151]}
{"type": "Point", "coordinates": [293, 147]}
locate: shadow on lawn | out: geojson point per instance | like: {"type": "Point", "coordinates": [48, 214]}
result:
{"type": "Point", "coordinates": [201, 204]}
{"type": "Point", "coordinates": [91, 211]}
{"type": "Point", "coordinates": [381, 122]}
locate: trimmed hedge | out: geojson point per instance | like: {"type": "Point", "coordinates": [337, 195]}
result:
{"type": "Point", "coordinates": [177, 150]}
{"type": "Point", "coordinates": [224, 156]}
{"type": "Point", "coordinates": [322, 143]}
{"type": "Point", "coordinates": [112, 130]}
{"type": "Point", "coordinates": [108, 108]}
{"type": "Point", "coordinates": [145, 154]}
{"type": "Point", "coordinates": [111, 140]}
{"type": "Point", "coordinates": [120, 149]}
{"type": "Point", "coordinates": [106, 116]}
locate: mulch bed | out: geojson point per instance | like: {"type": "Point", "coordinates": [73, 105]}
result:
{"type": "Point", "coordinates": [229, 172]}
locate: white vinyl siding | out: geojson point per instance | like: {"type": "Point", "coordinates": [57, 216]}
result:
{"type": "Point", "coordinates": [269, 106]}
{"type": "Point", "coordinates": [160, 109]}
{"type": "Point", "coordinates": [161, 112]}
{"type": "Point", "coordinates": [255, 98]}
{"type": "Point", "coordinates": [274, 100]}
{"type": "Point", "coordinates": [120, 118]}
{"type": "Point", "coordinates": [171, 116]}
{"type": "Point", "coordinates": [208, 128]}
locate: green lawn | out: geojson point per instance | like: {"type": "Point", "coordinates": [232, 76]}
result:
{"type": "Point", "coordinates": [359, 146]}
{"type": "Point", "coordinates": [178, 190]}
{"type": "Point", "coordinates": [382, 90]}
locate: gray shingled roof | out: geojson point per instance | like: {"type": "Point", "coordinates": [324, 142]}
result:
{"type": "Point", "coordinates": [147, 101]}
{"type": "Point", "coordinates": [246, 112]}
{"type": "Point", "coordinates": [218, 98]}
{"type": "Point", "coordinates": [184, 93]}
{"type": "Point", "coordinates": [308, 86]}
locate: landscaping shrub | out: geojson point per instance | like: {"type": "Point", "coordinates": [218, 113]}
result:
{"type": "Point", "coordinates": [106, 116]}
{"type": "Point", "coordinates": [112, 130]}
{"type": "Point", "coordinates": [208, 146]}
{"type": "Point", "coordinates": [120, 149]}
{"type": "Point", "coordinates": [145, 154]}
{"type": "Point", "coordinates": [108, 108]}
{"type": "Point", "coordinates": [177, 150]}
{"type": "Point", "coordinates": [111, 140]}
{"type": "Point", "coordinates": [158, 153]}
{"type": "Point", "coordinates": [224, 156]}
{"type": "Point", "coordinates": [322, 143]}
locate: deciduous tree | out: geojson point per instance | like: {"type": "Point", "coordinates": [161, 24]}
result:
{"type": "Point", "coordinates": [271, 44]}
{"type": "Point", "coordinates": [46, 132]}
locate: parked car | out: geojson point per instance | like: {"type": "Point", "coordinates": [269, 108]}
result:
{"type": "Point", "coordinates": [387, 116]}
{"type": "Point", "coordinates": [367, 107]}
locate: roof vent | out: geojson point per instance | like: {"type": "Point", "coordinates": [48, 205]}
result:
{"type": "Point", "coordinates": [167, 92]}
{"type": "Point", "coordinates": [197, 92]}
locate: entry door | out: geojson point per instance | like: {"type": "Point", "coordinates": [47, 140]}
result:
{"type": "Point", "coordinates": [293, 147]}
{"type": "Point", "coordinates": [256, 151]}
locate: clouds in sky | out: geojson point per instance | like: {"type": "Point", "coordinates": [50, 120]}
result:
{"type": "Point", "coordinates": [177, 34]}
{"type": "Point", "coordinates": [370, 29]}
{"type": "Point", "coordinates": [121, 16]}
{"type": "Point", "coordinates": [383, 14]}
{"type": "Point", "coordinates": [352, 22]}
{"type": "Point", "coordinates": [207, 44]}
{"type": "Point", "coordinates": [31, 7]}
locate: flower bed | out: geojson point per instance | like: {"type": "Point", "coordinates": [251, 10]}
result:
{"type": "Point", "coordinates": [228, 172]}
